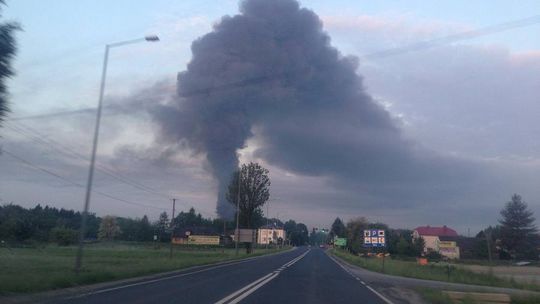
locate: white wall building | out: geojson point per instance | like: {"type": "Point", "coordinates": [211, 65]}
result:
{"type": "Point", "coordinates": [270, 234]}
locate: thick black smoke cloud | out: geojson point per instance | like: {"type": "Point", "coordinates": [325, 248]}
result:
{"type": "Point", "coordinates": [271, 72]}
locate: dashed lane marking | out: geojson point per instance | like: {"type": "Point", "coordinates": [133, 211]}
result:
{"type": "Point", "coordinates": [242, 293]}
{"type": "Point", "coordinates": [385, 299]}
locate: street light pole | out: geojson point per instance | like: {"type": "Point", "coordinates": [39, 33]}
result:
{"type": "Point", "coordinates": [267, 223]}
{"type": "Point", "coordinates": [172, 227]}
{"type": "Point", "coordinates": [84, 217]}
{"type": "Point", "coordinates": [237, 236]}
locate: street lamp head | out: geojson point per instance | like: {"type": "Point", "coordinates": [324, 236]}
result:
{"type": "Point", "coordinates": [152, 38]}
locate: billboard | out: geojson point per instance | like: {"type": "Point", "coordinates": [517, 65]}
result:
{"type": "Point", "coordinates": [374, 238]}
{"type": "Point", "coordinates": [203, 239]}
{"type": "Point", "coordinates": [447, 244]}
{"type": "Point", "coordinates": [245, 235]}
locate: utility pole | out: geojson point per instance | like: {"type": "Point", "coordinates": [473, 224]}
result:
{"type": "Point", "coordinates": [267, 225]}
{"type": "Point", "coordinates": [237, 233]}
{"type": "Point", "coordinates": [488, 241]}
{"type": "Point", "coordinates": [172, 227]}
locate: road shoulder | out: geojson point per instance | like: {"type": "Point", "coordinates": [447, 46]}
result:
{"type": "Point", "coordinates": [50, 296]}
{"type": "Point", "coordinates": [382, 280]}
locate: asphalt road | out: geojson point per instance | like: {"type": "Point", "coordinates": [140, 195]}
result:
{"type": "Point", "coordinates": [304, 275]}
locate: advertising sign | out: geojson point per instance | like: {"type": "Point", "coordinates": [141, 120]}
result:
{"type": "Point", "coordinates": [447, 244]}
{"type": "Point", "coordinates": [374, 238]}
{"type": "Point", "coordinates": [340, 242]}
{"type": "Point", "coordinates": [203, 239]}
{"type": "Point", "coordinates": [245, 235]}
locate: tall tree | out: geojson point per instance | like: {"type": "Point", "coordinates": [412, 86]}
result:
{"type": "Point", "coordinates": [162, 226]}
{"type": "Point", "coordinates": [301, 235]}
{"type": "Point", "coordinates": [108, 229]}
{"type": "Point", "coordinates": [254, 192]}
{"type": "Point", "coordinates": [289, 227]}
{"type": "Point", "coordinates": [517, 228]}
{"type": "Point", "coordinates": [338, 229]}
{"type": "Point", "coordinates": [355, 233]}
{"type": "Point", "coordinates": [8, 49]}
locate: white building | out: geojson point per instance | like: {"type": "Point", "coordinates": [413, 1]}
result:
{"type": "Point", "coordinates": [270, 234]}
{"type": "Point", "coordinates": [438, 239]}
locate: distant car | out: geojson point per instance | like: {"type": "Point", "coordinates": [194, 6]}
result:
{"type": "Point", "coordinates": [321, 246]}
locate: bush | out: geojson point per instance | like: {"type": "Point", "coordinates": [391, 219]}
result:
{"type": "Point", "coordinates": [63, 236]}
{"type": "Point", "coordinates": [434, 256]}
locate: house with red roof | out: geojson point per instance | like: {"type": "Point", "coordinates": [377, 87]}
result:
{"type": "Point", "coordinates": [438, 239]}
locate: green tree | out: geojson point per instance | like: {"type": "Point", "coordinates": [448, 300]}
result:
{"type": "Point", "coordinates": [298, 233]}
{"type": "Point", "coordinates": [317, 237]}
{"type": "Point", "coordinates": [254, 193]}
{"type": "Point", "coordinates": [403, 247]}
{"type": "Point", "coordinates": [418, 245]}
{"type": "Point", "coordinates": [355, 233]}
{"type": "Point", "coordinates": [108, 229]}
{"type": "Point", "coordinates": [145, 232]}
{"type": "Point", "coordinates": [63, 236]}
{"type": "Point", "coordinates": [480, 249]}
{"type": "Point", "coordinates": [162, 226]}
{"type": "Point", "coordinates": [8, 49]}
{"type": "Point", "coordinates": [338, 229]}
{"type": "Point", "coordinates": [289, 228]}
{"type": "Point", "coordinates": [518, 230]}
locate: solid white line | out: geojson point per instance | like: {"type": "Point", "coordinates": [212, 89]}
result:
{"type": "Point", "coordinates": [247, 293]}
{"type": "Point", "coordinates": [234, 294]}
{"type": "Point", "coordinates": [373, 290]}
{"type": "Point", "coordinates": [380, 295]}
{"type": "Point", "coordinates": [225, 264]}
{"type": "Point", "coordinates": [240, 294]}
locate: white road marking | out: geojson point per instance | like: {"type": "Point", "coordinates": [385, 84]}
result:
{"type": "Point", "coordinates": [380, 295]}
{"type": "Point", "coordinates": [242, 293]}
{"type": "Point", "coordinates": [247, 293]}
{"type": "Point", "coordinates": [225, 264]}
{"type": "Point", "coordinates": [236, 293]}
{"type": "Point", "coordinates": [385, 299]}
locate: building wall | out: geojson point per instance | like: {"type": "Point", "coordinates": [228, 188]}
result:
{"type": "Point", "coordinates": [431, 243]}
{"type": "Point", "coordinates": [267, 236]}
{"type": "Point", "coordinates": [448, 249]}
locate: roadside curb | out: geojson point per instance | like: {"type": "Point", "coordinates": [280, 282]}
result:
{"type": "Point", "coordinates": [384, 279]}
{"type": "Point", "coordinates": [51, 295]}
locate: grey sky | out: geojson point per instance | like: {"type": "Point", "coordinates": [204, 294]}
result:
{"type": "Point", "coordinates": [468, 107]}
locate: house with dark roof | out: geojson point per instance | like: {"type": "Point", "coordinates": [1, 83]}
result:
{"type": "Point", "coordinates": [438, 239]}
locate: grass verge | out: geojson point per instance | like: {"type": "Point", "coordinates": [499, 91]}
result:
{"type": "Point", "coordinates": [435, 296]}
{"type": "Point", "coordinates": [431, 272]}
{"type": "Point", "coordinates": [26, 270]}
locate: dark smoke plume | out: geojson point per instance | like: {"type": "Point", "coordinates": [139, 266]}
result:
{"type": "Point", "coordinates": [271, 72]}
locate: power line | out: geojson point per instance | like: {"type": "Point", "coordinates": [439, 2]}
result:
{"type": "Point", "coordinates": [44, 140]}
{"type": "Point", "coordinates": [54, 145]}
{"type": "Point", "coordinates": [88, 111]}
{"type": "Point", "coordinates": [488, 30]}
{"type": "Point", "coordinates": [34, 166]}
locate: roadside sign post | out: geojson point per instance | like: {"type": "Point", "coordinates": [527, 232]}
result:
{"type": "Point", "coordinates": [341, 242]}
{"type": "Point", "coordinates": [375, 238]}
{"type": "Point", "coordinates": [172, 228]}
{"type": "Point", "coordinates": [383, 256]}
{"type": "Point", "coordinates": [187, 234]}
